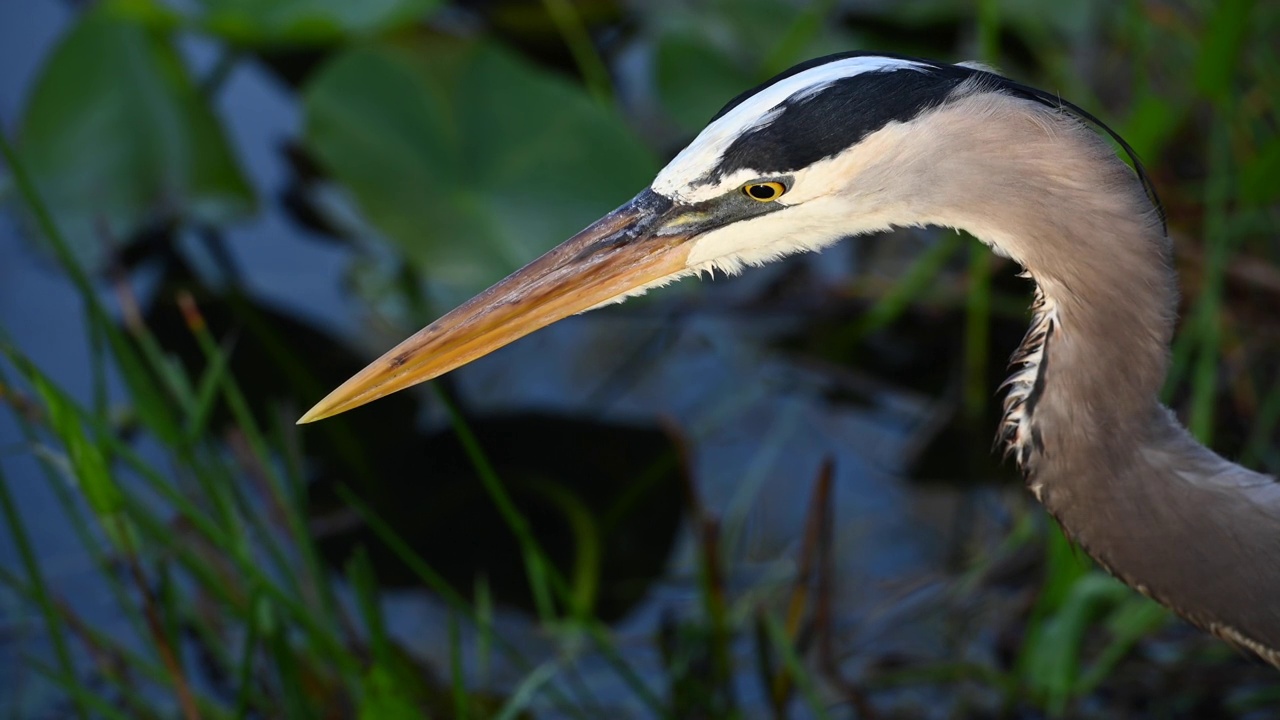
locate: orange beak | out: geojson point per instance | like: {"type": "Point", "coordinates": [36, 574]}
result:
{"type": "Point", "coordinates": [625, 250]}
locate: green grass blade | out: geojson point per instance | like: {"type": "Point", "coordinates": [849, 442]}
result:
{"type": "Point", "coordinates": [457, 677]}
{"type": "Point", "coordinates": [80, 694]}
{"type": "Point", "coordinates": [540, 570]}
{"type": "Point", "coordinates": [66, 673]}
{"type": "Point", "coordinates": [913, 283]}
{"type": "Point", "coordinates": [429, 577]}
{"type": "Point", "coordinates": [799, 673]}
{"type": "Point", "coordinates": [245, 676]}
{"type": "Point", "coordinates": [527, 691]}
{"type": "Point", "coordinates": [578, 39]}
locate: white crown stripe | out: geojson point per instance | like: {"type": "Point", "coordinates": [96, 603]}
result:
{"type": "Point", "coordinates": [689, 167]}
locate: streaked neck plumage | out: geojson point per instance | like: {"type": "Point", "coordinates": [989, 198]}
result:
{"type": "Point", "coordinates": [1127, 482]}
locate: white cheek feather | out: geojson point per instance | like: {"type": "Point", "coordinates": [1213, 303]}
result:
{"type": "Point", "coordinates": [681, 177]}
{"type": "Point", "coordinates": [804, 228]}
{"type": "Point", "coordinates": [823, 206]}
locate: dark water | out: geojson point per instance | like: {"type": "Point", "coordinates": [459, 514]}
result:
{"type": "Point", "coordinates": [756, 424]}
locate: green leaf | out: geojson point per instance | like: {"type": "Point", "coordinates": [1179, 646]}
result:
{"type": "Point", "coordinates": [469, 159]}
{"type": "Point", "coordinates": [384, 697]}
{"type": "Point", "coordinates": [1152, 123]}
{"type": "Point", "coordinates": [1052, 654]}
{"type": "Point", "coordinates": [117, 135]}
{"type": "Point", "coordinates": [1258, 175]}
{"type": "Point", "coordinates": [1066, 564]}
{"type": "Point", "coordinates": [262, 22]}
{"type": "Point", "coordinates": [88, 462]}
{"type": "Point", "coordinates": [1226, 32]}
{"type": "Point", "coordinates": [152, 14]}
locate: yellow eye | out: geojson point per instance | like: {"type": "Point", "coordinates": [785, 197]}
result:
{"type": "Point", "coordinates": [765, 191]}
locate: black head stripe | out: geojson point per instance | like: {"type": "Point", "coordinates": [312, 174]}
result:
{"type": "Point", "coordinates": [826, 122]}
{"type": "Point", "coordinates": [808, 128]}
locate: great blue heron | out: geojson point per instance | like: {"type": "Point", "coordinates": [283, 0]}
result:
{"type": "Point", "coordinates": [856, 143]}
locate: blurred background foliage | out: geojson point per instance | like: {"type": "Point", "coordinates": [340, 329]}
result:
{"type": "Point", "coordinates": [581, 543]}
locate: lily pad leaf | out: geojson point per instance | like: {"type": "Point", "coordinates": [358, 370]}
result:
{"type": "Point", "coordinates": [117, 136]}
{"type": "Point", "coordinates": [472, 161]}
{"type": "Point", "coordinates": [307, 22]}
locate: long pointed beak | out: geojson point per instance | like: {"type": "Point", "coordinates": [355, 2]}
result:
{"type": "Point", "coordinates": [625, 250]}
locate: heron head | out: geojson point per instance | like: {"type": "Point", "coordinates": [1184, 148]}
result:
{"type": "Point", "coordinates": [783, 168]}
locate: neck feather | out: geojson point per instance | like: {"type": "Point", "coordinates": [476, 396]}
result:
{"type": "Point", "coordinates": [1038, 186]}
{"type": "Point", "coordinates": [1082, 418]}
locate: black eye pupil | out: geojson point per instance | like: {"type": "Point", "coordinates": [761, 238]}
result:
{"type": "Point", "coordinates": [761, 192]}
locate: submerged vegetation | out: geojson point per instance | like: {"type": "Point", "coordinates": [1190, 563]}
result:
{"type": "Point", "coordinates": [663, 510]}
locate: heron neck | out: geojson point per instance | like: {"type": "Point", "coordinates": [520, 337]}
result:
{"type": "Point", "coordinates": [1045, 190]}
{"type": "Point", "coordinates": [1088, 375]}
{"type": "Point", "coordinates": [1122, 476]}
{"type": "Point", "coordinates": [1104, 333]}
{"type": "Point", "coordinates": [1124, 479]}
